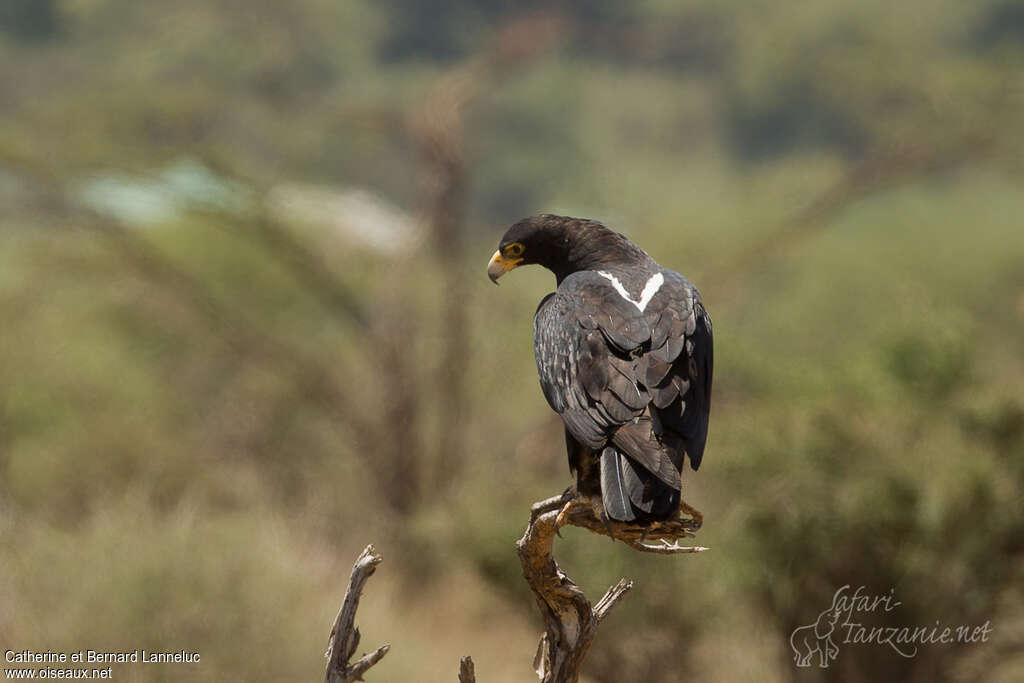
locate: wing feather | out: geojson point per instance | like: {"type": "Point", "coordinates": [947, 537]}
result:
{"type": "Point", "coordinates": [636, 380]}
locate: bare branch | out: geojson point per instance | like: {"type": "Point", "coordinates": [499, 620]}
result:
{"type": "Point", "coordinates": [665, 548]}
{"type": "Point", "coordinates": [344, 635]}
{"type": "Point", "coordinates": [611, 598]}
{"type": "Point", "coordinates": [467, 673]}
{"type": "Point", "coordinates": [569, 619]}
{"type": "Point", "coordinates": [356, 671]}
{"type": "Point", "coordinates": [580, 514]}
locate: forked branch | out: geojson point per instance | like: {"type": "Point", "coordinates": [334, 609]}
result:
{"type": "Point", "coordinates": [467, 672]}
{"type": "Point", "coordinates": [345, 636]}
{"type": "Point", "coordinates": [569, 619]}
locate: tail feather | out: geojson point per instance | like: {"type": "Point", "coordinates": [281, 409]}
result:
{"type": "Point", "coordinates": [639, 486]}
{"type": "Point", "coordinates": [638, 441]}
{"type": "Point", "coordinates": [630, 492]}
{"type": "Point", "coordinates": [614, 494]}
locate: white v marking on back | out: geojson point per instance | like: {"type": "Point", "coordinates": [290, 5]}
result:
{"type": "Point", "coordinates": [650, 289]}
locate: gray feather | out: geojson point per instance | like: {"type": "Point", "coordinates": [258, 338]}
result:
{"type": "Point", "coordinates": [614, 494]}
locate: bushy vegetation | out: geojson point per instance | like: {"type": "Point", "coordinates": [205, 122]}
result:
{"type": "Point", "coordinates": [208, 405]}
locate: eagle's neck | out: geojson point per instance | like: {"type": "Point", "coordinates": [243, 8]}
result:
{"type": "Point", "coordinates": [610, 254]}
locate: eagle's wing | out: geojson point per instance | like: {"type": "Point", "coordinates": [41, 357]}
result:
{"type": "Point", "coordinates": [583, 334]}
{"type": "Point", "coordinates": [677, 368]}
{"type": "Point", "coordinates": [630, 384]}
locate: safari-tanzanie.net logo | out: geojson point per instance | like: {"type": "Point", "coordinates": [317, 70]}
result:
{"type": "Point", "coordinates": [847, 621]}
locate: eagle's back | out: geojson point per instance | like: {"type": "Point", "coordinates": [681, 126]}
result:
{"type": "Point", "coordinates": [624, 356]}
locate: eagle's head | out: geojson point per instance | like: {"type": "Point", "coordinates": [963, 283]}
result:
{"type": "Point", "coordinates": [563, 245]}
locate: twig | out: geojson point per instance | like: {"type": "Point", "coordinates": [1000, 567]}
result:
{"type": "Point", "coordinates": [467, 673]}
{"type": "Point", "coordinates": [665, 548]}
{"type": "Point", "coordinates": [344, 635]}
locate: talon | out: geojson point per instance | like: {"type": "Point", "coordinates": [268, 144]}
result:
{"type": "Point", "coordinates": [608, 525]}
{"type": "Point", "coordinates": [563, 515]}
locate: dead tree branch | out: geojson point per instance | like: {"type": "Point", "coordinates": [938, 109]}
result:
{"type": "Point", "coordinates": [467, 673]}
{"type": "Point", "coordinates": [569, 619]}
{"type": "Point", "coordinates": [576, 513]}
{"type": "Point", "coordinates": [345, 636]}
{"type": "Point", "coordinates": [344, 639]}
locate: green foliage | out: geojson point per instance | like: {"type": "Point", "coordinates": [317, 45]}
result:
{"type": "Point", "coordinates": [196, 437]}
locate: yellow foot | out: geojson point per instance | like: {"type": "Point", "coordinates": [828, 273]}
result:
{"type": "Point", "coordinates": [563, 514]}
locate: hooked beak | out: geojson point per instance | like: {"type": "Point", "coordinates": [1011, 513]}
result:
{"type": "Point", "coordinates": [499, 265]}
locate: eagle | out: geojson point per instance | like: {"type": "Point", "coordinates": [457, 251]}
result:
{"type": "Point", "coordinates": [624, 356]}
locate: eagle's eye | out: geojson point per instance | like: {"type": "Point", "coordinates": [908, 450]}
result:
{"type": "Point", "coordinates": [514, 250]}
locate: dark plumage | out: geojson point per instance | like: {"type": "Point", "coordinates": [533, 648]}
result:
{"type": "Point", "coordinates": [624, 354]}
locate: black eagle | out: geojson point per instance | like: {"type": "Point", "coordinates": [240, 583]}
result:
{"type": "Point", "coordinates": [624, 354]}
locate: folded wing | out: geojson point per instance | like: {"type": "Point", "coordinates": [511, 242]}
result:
{"type": "Point", "coordinates": [632, 386]}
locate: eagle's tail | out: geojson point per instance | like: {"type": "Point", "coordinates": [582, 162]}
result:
{"type": "Point", "coordinates": [630, 492]}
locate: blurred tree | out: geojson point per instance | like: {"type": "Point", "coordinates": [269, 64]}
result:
{"type": "Point", "coordinates": [444, 31]}
{"type": "Point", "coordinates": [30, 20]}
{"type": "Point", "coordinates": [1002, 23]}
{"type": "Point", "coordinates": [859, 525]}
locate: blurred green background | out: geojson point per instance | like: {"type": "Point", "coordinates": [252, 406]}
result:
{"type": "Point", "coordinates": [245, 327]}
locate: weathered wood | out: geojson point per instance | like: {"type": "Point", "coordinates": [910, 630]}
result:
{"type": "Point", "coordinates": [581, 514]}
{"type": "Point", "coordinates": [467, 673]}
{"type": "Point", "coordinates": [344, 635]}
{"type": "Point", "coordinates": [569, 619]}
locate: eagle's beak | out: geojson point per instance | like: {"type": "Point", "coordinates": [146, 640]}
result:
{"type": "Point", "coordinates": [499, 265]}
